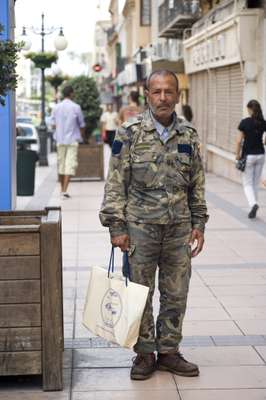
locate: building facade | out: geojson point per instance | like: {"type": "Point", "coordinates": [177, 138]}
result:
{"type": "Point", "coordinates": [223, 60]}
{"type": "Point", "coordinates": [217, 49]}
{"type": "Point", "coordinates": [101, 61]}
{"type": "Point", "coordinates": [128, 36]}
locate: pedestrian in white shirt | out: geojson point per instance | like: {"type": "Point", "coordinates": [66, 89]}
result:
{"type": "Point", "coordinates": [69, 125]}
{"type": "Point", "coordinates": [109, 124]}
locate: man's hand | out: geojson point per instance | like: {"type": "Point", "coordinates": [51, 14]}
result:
{"type": "Point", "coordinates": [198, 237]}
{"type": "Point", "coordinates": [121, 241]}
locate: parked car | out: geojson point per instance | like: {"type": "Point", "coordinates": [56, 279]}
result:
{"type": "Point", "coordinates": [24, 119]}
{"type": "Point", "coordinates": [28, 131]}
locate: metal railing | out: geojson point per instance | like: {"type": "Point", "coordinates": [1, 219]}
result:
{"type": "Point", "coordinates": [172, 10]}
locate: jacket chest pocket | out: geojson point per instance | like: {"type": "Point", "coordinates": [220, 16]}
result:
{"type": "Point", "coordinates": [144, 169]}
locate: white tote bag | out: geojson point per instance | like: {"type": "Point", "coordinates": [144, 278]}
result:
{"type": "Point", "coordinates": [114, 306]}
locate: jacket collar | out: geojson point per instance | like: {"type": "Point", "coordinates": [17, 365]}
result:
{"type": "Point", "coordinates": [179, 126]}
{"type": "Point", "coordinates": [148, 124]}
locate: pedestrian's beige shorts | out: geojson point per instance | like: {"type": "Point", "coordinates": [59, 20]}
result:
{"type": "Point", "coordinates": [67, 158]}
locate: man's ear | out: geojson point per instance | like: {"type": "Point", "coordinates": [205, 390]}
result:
{"type": "Point", "coordinates": [146, 92]}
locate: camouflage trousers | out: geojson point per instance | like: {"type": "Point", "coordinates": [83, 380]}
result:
{"type": "Point", "coordinates": [164, 247]}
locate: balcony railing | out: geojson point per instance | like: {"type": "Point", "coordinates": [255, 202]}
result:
{"type": "Point", "coordinates": [177, 15]}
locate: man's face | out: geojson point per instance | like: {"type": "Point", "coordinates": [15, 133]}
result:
{"type": "Point", "coordinates": [162, 96]}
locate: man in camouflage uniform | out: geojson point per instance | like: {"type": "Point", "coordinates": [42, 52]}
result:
{"type": "Point", "coordinates": [154, 207]}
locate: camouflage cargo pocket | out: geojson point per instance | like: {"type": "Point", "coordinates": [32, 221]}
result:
{"type": "Point", "coordinates": [145, 170]}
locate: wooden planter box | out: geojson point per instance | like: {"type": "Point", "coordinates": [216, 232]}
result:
{"type": "Point", "coordinates": [90, 162]}
{"type": "Point", "coordinates": [31, 310]}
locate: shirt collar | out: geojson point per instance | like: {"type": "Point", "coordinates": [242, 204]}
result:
{"type": "Point", "coordinates": [159, 127]}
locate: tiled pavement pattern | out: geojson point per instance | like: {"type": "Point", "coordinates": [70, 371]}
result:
{"type": "Point", "coordinates": [225, 324]}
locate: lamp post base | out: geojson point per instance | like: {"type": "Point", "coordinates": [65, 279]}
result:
{"type": "Point", "coordinates": [42, 131]}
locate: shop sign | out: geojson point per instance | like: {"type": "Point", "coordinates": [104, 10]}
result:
{"type": "Point", "coordinates": [218, 45]}
{"type": "Point", "coordinates": [209, 51]}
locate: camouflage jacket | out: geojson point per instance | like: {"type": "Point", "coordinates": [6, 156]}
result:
{"type": "Point", "coordinates": [154, 182]}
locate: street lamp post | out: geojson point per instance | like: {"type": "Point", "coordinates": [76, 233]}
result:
{"type": "Point", "coordinates": [43, 160]}
{"type": "Point", "coordinates": [60, 44]}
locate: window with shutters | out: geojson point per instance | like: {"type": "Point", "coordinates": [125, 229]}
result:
{"type": "Point", "coordinates": [236, 104]}
{"type": "Point", "coordinates": [145, 12]}
{"type": "Point", "coordinates": [198, 101]}
{"type": "Point", "coordinates": [211, 108]}
{"type": "Point", "coordinates": [216, 98]}
{"type": "Point", "coordinates": [222, 107]}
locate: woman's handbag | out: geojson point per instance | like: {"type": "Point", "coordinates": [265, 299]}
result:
{"type": "Point", "coordinates": [114, 305]}
{"type": "Point", "coordinates": [241, 163]}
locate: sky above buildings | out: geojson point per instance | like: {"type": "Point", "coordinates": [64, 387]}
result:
{"type": "Point", "coordinates": [77, 18]}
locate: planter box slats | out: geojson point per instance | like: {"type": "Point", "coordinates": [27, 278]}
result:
{"type": "Point", "coordinates": [19, 220]}
{"type": "Point", "coordinates": [19, 244]}
{"type": "Point", "coordinates": [20, 267]}
{"type": "Point", "coordinates": [20, 339]}
{"type": "Point", "coordinates": [15, 363]}
{"type": "Point", "coordinates": [20, 315]}
{"type": "Point", "coordinates": [19, 228]}
{"type": "Point", "coordinates": [15, 292]}
{"type": "Point", "coordinates": [15, 215]}
{"type": "Point", "coordinates": [52, 305]}
{"type": "Point", "coordinates": [90, 162]}
{"type": "Point", "coordinates": [31, 307]}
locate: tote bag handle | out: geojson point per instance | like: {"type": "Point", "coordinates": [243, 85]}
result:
{"type": "Point", "coordinates": [126, 265]}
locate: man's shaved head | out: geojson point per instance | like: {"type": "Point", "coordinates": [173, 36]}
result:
{"type": "Point", "coordinates": [162, 72]}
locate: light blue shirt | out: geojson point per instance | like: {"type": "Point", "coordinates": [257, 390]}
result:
{"type": "Point", "coordinates": [163, 131]}
{"type": "Point", "coordinates": [68, 119]}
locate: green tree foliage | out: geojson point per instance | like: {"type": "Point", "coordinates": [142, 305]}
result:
{"type": "Point", "coordinates": [8, 62]}
{"type": "Point", "coordinates": [87, 96]}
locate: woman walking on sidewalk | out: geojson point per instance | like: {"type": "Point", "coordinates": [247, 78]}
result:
{"type": "Point", "coordinates": [250, 145]}
{"type": "Point", "coordinates": [109, 124]}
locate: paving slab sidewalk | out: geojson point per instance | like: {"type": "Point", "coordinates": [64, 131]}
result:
{"type": "Point", "coordinates": [225, 324]}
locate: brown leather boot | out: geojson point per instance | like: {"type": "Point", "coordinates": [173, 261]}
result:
{"type": "Point", "coordinates": [176, 363]}
{"type": "Point", "coordinates": [143, 366]}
